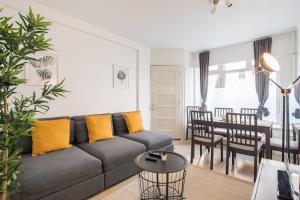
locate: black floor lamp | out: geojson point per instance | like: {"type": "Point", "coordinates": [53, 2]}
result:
{"type": "Point", "coordinates": [269, 64]}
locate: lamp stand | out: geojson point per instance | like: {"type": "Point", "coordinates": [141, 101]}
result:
{"type": "Point", "coordinates": [285, 116]}
{"type": "Point", "coordinates": [285, 123]}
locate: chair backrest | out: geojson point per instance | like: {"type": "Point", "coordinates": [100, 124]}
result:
{"type": "Point", "coordinates": [188, 112]}
{"type": "Point", "coordinates": [255, 111]}
{"type": "Point", "coordinates": [242, 129]}
{"type": "Point", "coordinates": [222, 111]}
{"type": "Point", "coordinates": [202, 124]}
{"type": "Point", "coordinates": [296, 134]}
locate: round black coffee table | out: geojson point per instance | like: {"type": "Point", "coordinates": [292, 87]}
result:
{"type": "Point", "coordinates": [161, 179]}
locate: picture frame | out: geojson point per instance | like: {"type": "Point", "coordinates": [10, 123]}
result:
{"type": "Point", "coordinates": [120, 77]}
{"type": "Point", "coordinates": [42, 70]}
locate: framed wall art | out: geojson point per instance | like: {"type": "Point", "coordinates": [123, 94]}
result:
{"type": "Point", "coordinates": [43, 69]}
{"type": "Point", "coordinates": [121, 77]}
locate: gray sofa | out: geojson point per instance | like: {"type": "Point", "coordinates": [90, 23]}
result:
{"type": "Point", "coordinates": [152, 140]}
{"type": "Point", "coordinates": [85, 169]}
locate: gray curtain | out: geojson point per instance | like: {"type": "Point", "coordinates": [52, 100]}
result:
{"type": "Point", "coordinates": [204, 64]}
{"type": "Point", "coordinates": [262, 80]}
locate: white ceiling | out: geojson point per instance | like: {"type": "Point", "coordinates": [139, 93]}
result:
{"type": "Point", "coordinates": [185, 23]}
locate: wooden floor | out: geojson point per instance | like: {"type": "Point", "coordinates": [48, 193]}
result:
{"type": "Point", "coordinates": [243, 168]}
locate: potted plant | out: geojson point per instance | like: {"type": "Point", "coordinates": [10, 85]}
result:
{"type": "Point", "coordinates": [19, 41]}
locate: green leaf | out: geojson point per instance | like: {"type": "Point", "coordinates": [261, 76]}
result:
{"type": "Point", "coordinates": [19, 42]}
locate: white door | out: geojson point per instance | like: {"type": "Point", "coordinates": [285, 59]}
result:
{"type": "Point", "coordinates": [166, 104]}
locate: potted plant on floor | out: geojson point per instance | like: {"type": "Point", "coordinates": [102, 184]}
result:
{"type": "Point", "coordinates": [19, 41]}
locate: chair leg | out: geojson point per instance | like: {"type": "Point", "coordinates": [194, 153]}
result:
{"type": "Point", "coordinates": [271, 154]}
{"type": "Point", "coordinates": [255, 167]}
{"type": "Point", "coordinates": [208, 149]}
{"type": "Point", "coordinates": [294, 158]}
{"type": "Point", "coordinates": [200, 150]}
{"type": "Point", "coordinates": [192, 151]}
{"type": "Point", "coordinates": [222, 151]}
{"type": "Point", "coordinates": [260, 156]}
{"type": "Point", "coordinates": [212, 158]}
{"type": "Point", "coordinates": [227, 160]}
{"type": "Point", "coordinates": [232, 158]}
{"type": "Point", "coordinates": [187, 133]}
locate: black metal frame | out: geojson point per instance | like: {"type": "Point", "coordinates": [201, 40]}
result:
{"type": "Point", "coordinates": [285, 114]}
{"type": "Point", "coordinates": [162, 179]}
{"type": "Point", "coordinates": [155, 186]}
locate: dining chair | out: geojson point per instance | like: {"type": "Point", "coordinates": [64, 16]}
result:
{"type": "Point", "coordinates": [221, 112]}
{"type": "Point", "coordinates": [244, 125]}
{"type": "Point", "coordinates": [203, 134]}
{"type": "Point", "coordinates": [276, 144]}
{"type": "Point", "coordinates": [252, 111]}
{"type": "Point", "coordinates": [188, 120]}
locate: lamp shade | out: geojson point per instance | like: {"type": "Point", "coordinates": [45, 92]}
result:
{"type": "Point", "coordinates": [269, 63]}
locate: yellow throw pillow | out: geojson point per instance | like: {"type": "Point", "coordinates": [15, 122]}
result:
{"type": "Point", "coordinates": [50, 135]}
{"type": "Point", "coordinates": [99, 127]}
{"type": "Point", "coordinates": [134, 121]}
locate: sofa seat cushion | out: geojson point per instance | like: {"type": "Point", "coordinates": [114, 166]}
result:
{"type": "Point", "coordinates": [114, 152]}
{"type": "Point", "coordinates": [152, 140]}
{"type": "Point", "coordinates": [52, 172]}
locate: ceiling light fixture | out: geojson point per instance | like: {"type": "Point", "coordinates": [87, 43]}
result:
{"type": "Point", "coordinates": [228, 3]}
{"type": "Point", "coordinates": [216, 3]}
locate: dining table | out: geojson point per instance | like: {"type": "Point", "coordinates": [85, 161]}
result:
{"type": "Point", "coordinates": [264, 127]}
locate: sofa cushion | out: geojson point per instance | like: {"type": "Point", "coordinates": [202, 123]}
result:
{"type": "Point", "coordinates": [114, 152]}
{"type": "Point", "coordinates": [50, 135]}
{"type": "Point", "coordinates": [80, 128]}
{"type": "Point", "coordinates": [52, 172]}
{"type": "Point", "coordinates": [99, 127]}
{"type": "Point", "coordinates": [119, 123]}
{"type": "Point", "coordinates": [152, 140]}
{"type": "Point", "coordinates": [26, 141]}
{"type": "Point", "coordinates": [134, 121]}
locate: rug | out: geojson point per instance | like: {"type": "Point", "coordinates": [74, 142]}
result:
{"type": "Point", "coordinates": [201, 184]}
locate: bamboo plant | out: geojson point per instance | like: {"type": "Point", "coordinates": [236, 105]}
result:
{"type": "Point", "coordinates": [19, 42]}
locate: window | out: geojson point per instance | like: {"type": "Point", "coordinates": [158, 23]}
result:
{"type": "Point", "coordinates": [235, 66]}
{"type": "Point", "coordinates": [232, 78]}
{"type": "Point", "coordinates": [233, 85]}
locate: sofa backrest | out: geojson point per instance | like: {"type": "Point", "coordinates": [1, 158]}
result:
{"type": "Point", "coordinates": [81, 130]}
{"type": "Point", "coordinates": [26, 141]}
{"type": "Point", "coordinates": [120, 126]}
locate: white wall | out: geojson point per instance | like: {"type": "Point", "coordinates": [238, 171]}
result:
{"type": "Point", "coordinates": [298, 49]}
{"type": "Point", "coordinates": [86, 55]}
{"type": "Point", "coordinates": [167, 56]}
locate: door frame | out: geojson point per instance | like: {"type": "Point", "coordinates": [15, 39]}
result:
{"type": "Point", "coordinates": [181, 79]}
